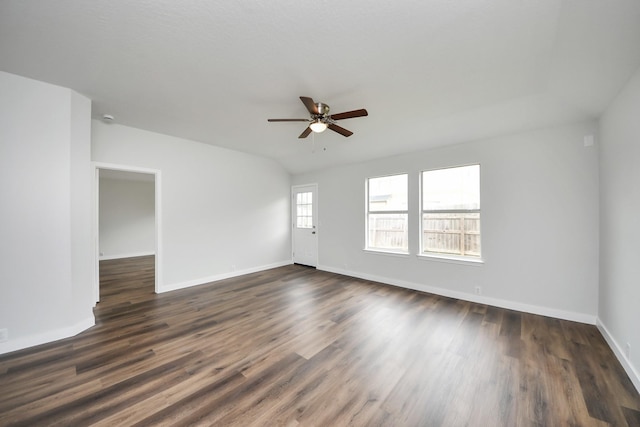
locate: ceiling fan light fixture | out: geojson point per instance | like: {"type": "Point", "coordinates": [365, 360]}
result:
{"type": "Point", "coordinates": [318, 126]}
{"type": "Point", "coordinates": [320, 119]}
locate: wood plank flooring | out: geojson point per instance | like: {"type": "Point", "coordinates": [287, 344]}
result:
{"type": "Point", "coordinates": [294, 346]}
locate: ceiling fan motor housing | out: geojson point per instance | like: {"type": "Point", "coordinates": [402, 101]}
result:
{"type": "Point", "coordinates": [323, 110]}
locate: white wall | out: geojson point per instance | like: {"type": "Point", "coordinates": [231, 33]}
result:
{"type": "Point", "coordinates": [619, 309]}
{"type": "Point", "coordinates": [82, 247]}
{"type": "Point", "coordinates": [45, 282]}
{"type": "Point", "coordinates": [127, 218]}
{"type": "Point", "coordinates": [223, 212]}
{"type": "Point", "coordinates": [539, 223]}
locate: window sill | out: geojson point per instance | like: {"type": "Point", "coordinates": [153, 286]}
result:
{"type": "Point", "coordinates": [451, 259]}
{"type": "Point", "coordinates": [387, 252]}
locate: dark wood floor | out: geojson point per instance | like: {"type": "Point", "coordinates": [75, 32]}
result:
{"type": "Point", "coordinates": [295, 346]}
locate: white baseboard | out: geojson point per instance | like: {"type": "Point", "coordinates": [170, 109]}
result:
{"type": "Point", "coordinates": [46, 337]}
{"type": "Point", "coordinates": [511, 305]}
{"type": "Point", "coordinates": [216, 277]}
{"type": "Point", "coordinates": [129, 255]}
{"type": "Point", "coordinates": [617, 350]}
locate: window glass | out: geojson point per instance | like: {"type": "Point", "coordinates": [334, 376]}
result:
{"type": "Point", "coordinates": [387, 213]}
{"type": "Point", "coordinates": [451, 188]}
{"type": "Point", "coordinates": [451, 212]}
{"type": "Point", "coordinates": [388, 193]}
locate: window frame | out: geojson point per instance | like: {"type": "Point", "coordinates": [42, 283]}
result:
{"type": "Point", "coordinates": [368, 213]}
{"type": "Point", "coordinates": [443, 255]}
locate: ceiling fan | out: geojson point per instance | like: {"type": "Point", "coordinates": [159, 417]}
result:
{"type": "Point", "coordinates": [320, 118]}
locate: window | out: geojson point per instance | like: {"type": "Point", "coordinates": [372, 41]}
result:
{"type": "Point", "coordinates": [387, 213]}
{"type": "Point", "coordinates": [304, 210]}
{"type": "Point", "coordinates": [451, 212]}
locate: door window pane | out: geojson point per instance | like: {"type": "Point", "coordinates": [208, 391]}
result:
{"type": "Point", "coordinates": [304, 210]}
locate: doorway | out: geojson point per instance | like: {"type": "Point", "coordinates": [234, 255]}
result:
{"type": "Point", "coordinates": [145, 239]}
{"type": "Point", "coordinates": [304, 211]}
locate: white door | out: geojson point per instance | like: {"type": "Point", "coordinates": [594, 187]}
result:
{"type": "Point", "coordinates": [304, 205]}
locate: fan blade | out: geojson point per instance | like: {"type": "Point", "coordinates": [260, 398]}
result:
{"type": "Point", "coordinates": [350, 114]}
{"type": "Point", "coordinates": [306, 133]}
{"type": "Point", "coordinates": [311, 106]}
{"type": "Point", "coordinates": [342, 131]}
{"type": "Point", "coordinates": [287, 120]}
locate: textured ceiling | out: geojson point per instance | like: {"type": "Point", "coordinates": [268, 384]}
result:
{"type": "Point", "coordinates": [430, 72]}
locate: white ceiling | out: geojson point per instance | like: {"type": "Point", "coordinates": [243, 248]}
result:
{"type": "Point", "coordinates": [430, 72]}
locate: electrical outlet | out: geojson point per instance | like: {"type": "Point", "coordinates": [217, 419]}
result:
{"type": "Point", "coordinates": [4, 335]}
{"type": "Point", "coordinates": [478, 290]}
{"type": "Point", "coordinates": [628, 350]}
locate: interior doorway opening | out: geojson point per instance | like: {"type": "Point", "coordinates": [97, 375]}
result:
{"type": "Point", "coordinates": [127, 218]}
